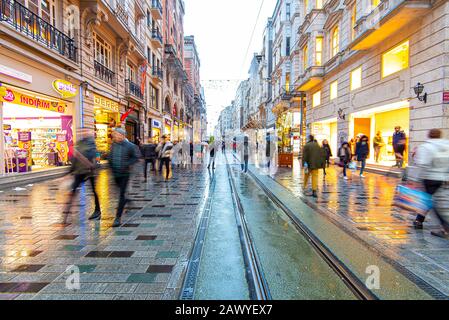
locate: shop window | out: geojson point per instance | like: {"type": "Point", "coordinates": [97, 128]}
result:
{"type": "Point", "coordinates": [356, 78]}
{"type": "Point", "coordinates": [395, 59]}
{"type": "Point", "coordinates": [335, 43]}
{"type": "Point", "coordinates": [334, 90]}
{"type": "Point", "coordinates": [319, 51]}
{"type": "Point", "coordinates": [375, 3]}
{"type": "Point", "coordinates": [306, 6]}
{"type": "Point", "coordinates": [305, 58]}
{"type": "Point", "coordinates": [102, 51]}
{"type": "Point", "coordinates": [319, 4]}
{"type": "Point", "coordinates": [316, 99]}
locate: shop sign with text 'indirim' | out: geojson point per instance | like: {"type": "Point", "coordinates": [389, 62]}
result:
{"type": "Point", "coordinates": [65, 89]}
{"type": "Point", "coordinates": [15, 97]}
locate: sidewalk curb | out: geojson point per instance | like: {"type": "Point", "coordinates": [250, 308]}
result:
{"type": "Point", "coordinates": [35, 177]}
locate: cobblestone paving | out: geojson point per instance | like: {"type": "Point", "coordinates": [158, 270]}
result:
{"type": "Point", "coordinates": [144, 259]}
{"type": "Point", "coordinates": [365, 207]}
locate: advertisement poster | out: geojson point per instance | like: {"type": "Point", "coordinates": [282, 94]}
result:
{"type": "Point", "coordinates": [24, 142]}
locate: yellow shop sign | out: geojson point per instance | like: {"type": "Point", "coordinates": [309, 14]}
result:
{"type": "Point", "coordinates": [15, 97]}
{"type": "Point", "coordinates": [65, 89]}
{"type": "Point", "coordinates": [104, 103]}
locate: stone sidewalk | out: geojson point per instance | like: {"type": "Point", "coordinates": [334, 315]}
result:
{"type": "Point", "coordinates": [144, 259]}
{"type": "Point", "coordinates": [364, 208]}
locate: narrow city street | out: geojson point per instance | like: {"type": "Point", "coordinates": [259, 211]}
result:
{"type": "Point", "coordinates": [218, 235]}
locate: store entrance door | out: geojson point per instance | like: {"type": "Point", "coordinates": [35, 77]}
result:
{"type": "Point", "coordinates": [131, 131]}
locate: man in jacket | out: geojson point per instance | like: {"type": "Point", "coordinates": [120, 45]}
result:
{"type": "Point", "coordinates": [165, 149]}
{"type": "Point", "coordinates": [122, 157]}
{"type": "Point", "coordinates": [83, 168]}
{"type": "Point", "coordinates": [432, 158]}
{"type": "Point", "coordinates": [312, 160]}
{"type": "Point", "coordinates": [149, 154]}
{"type": "Point", "coordinates": [399, 141]}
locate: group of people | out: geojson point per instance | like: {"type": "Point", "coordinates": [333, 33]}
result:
{"type": "Point", "coordinates": [122, 157]}
{"type": "Point", "coordinates": [316, 157]}
{"type": "Point", "coordinates": [431, 158]}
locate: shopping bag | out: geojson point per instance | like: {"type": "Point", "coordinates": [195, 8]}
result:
{"type": "Point", "coordinates": [441, 203]}
{"type": "Point", "coordinates": [413, 200]}
{"type": "Point", "coordinates": [352, 166]}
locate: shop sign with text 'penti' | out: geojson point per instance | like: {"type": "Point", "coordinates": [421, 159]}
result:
{"type": "Point", "coordinates": [65, 89]}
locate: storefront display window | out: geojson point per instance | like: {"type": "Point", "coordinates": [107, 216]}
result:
{"type": "Point", "coordinates": [383, 120]}
{"type": "Point", "coordinates": [38, 131]}
{"type": "Point", "coordinates": [327, 130]}
{"type": "Point", "coordinates": [107, 117]}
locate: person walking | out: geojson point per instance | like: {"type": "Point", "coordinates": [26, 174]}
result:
{"type": "Point", "coordinates": [122, 157]}
{"type": "Point", "coordinates": [328, 154]}
{"type": "Point", "coordinates": [211, 154]}
{"type": "Point", "coordinates": [432, 158]}
{"type": "Point", "coordinates": [362, 153]}
{"type": "Point", "coordinates": [313, 159]}
{"type": "Point", "coordinates": [223, 146]}
{"type": "Point", "coordinates": [378, 144]}
{"type": "Point", "coordinates": [191, 152]}
{"type": "Point", "coordinates": [149, 154]}
{"type": "Point", "coordinates": [345, 156]}
{"type": "Point", "coordinates": [399, 141]}
{"type": "Point", "coordinates": [164, 149]}
{"type": "Point", "coordinates": [244, 156]}
{"type": "Point", "coordinates": [83, 169]}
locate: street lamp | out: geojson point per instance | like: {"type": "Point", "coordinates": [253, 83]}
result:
{"type": "Point", "coordinates": [419, 88]}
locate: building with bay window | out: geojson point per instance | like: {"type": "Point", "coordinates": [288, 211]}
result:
{"type": "Point", "coordinates": [367, 59]}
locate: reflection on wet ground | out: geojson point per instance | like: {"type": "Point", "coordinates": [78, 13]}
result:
{"type": "Point", "coordinates": [365, 207]}
{"type": "Point", "coordinates": [292, 267]}
{"type": "Point", "coordinates": [143, 259]}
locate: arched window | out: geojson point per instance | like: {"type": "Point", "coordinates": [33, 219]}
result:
{"type": "Point", "coordinates": [167, 105]}
{"type": "Point", "coordinates": [335, 41]}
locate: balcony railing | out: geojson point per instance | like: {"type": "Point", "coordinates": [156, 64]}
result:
{"type": "Point", "coordinates": [104, 73]}
{"type": "Point", "coordinates": [157, 72]}
{"type": "Point", "coordinates": [36, 28]}
{"type": "Point", "coordinates": [133, 89]}
{"type": "Point", "coordinates": [155, 34]}
{"type": "Point", "coordinates": [121, 13]}
{"type": "Point", "coordinates": [156, 4]}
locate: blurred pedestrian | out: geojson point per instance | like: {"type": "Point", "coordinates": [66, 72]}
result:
{"type": "Point", "coordinates": [378, 144]}
{"type": "Point", "coordinates": [83, 169]}
{"type": "Point", "coordinates": [313, 159]}
{"type": "Point", "coordinates": [362, 153]}
{"type": "Point", "coordinates": [191, 152]}
{"type": "Point", "coordinates": [165, 151]}
{"type": "Point", "coordinates": [432, 158]}
{"type": "Point", "coordinates": [345, 156]}
{"type": "Point", "coordinates": [244, 155]}
{"type": "Point", "coordinates": [212, 147]}
{"type": "Point", "coordinates": [399, 142]}
{"type": "Point", "coordinates": [149, 154]}
{"type": "Point", "coordinates": [327, 154]}
{"type": "Point", "coordinates": [122, 157]}
{"type": "Point", "coordinates": [223, 146]}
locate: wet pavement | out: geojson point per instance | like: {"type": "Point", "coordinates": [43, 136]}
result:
{"type": "Point", "coordinates": [144, 259]}
{"type": "Point", "coordinates": [364, 208]}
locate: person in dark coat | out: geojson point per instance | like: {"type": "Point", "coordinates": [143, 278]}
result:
{"type": "Point", "coordinates": [191, 152]}
{"type": "Point", "coordinates": [122, 157]}
{"type": "Point", "coordinates": [83, 169]}
{"type": "Point", "coordinates": [327, 153]}
{"type": "Point", "coordinates": [362, 153]}
{"type": "Point", "coordinates": [399, 142]}
{"type": "Point", "coordinates": [245, 154]}
{"type": "Point", "coordinates": [313, 159]}
{"type": "Point", "coordinates": [149, 155]}
{"type": "Point", "coordinates": [345, 156]}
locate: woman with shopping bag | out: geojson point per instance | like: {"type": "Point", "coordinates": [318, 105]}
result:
{"type": "Point", "coordinates": [433, 159]}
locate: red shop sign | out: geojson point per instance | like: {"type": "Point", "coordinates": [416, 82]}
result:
{"type": "Point", "coordinates": [445, 97]}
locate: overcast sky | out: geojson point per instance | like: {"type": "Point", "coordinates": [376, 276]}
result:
{"type": "Point", "coordinates": [222, 31]}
